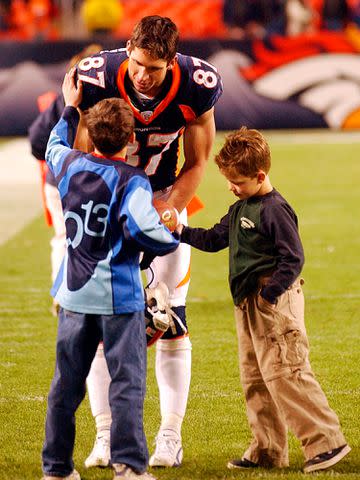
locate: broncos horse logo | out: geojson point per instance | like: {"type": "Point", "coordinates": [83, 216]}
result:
{"type": "Point", "coordinates": [309, 81]}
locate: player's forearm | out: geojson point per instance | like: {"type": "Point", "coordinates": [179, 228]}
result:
{"type": "Point", "coordinates": [185, 187]}
{"type": "Point", "coordinates": [198, 140]}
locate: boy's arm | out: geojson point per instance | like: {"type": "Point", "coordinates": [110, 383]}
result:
{"type": "Point", "coordinates": [61, 139]}
{"type": "Point", "coordinates": [208, 240]}
{"type": "Point", "coordinates": [280, 223]}
{"type": "Point", "coordinates": [141, 222]}
{"type": "Point", "coordinates": [63, 134]}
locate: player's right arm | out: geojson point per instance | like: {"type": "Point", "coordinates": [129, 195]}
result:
{"type": "Point", "coordinates": [41, 127]}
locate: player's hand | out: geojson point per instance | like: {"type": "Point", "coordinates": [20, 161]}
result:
{"type": "Point", "coordinates": [72, 90]}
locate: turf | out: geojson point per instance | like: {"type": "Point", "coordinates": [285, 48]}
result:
{"type": "Point", "coordinates": [321, 182]}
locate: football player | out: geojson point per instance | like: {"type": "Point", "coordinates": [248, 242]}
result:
{"type": "Point", "coordinates": [172, 97]}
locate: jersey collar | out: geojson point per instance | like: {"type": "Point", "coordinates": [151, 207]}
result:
{"type": "Point", "coordinates": [97, 155]}
{"type": "Point", "coordinates": [176, 75]}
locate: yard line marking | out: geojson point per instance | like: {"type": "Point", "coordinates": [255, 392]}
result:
{"type": "Point", "coordinates": [314, 137]}
{"type": "Point", "coordinates": [20, 197]}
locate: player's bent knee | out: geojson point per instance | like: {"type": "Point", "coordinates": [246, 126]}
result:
{"type": "Point", "coordinates": [177, 329]}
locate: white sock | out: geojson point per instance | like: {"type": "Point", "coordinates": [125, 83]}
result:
{"type": "Point", "coordinates": [173, 373]}
{"type": "Point", "coordinates": [98, 382]}
{"type": "Point", "coordinates": [103, 424]}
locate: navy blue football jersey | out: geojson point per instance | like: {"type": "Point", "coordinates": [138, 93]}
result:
{"type": "Point", "coordinates": [109, 219]}
{"type": "Point", "coordinates": [190, 89]}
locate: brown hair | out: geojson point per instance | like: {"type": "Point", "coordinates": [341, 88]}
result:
{"type": "Point", "coordinates": [158, 35]}
{"type": "Point", "coordinates": [245, 152]}
{"type": "Point", "coordinates": [110, 124]}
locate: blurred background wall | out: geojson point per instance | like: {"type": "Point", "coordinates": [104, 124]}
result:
{"type": "Point", "coordinates": [284, 63]}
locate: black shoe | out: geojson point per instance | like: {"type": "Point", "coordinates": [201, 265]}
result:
{"type": "Point", "coordinates": [326, 459]}
{"type": "Point", "coordinates": [241, 463]}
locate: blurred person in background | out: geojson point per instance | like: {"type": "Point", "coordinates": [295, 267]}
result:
{"type": "Point", "coordinates": [250, 19]}
{"type": "Point", "coordinates": [51, 107]}
{"type": "Point", "coordinates": [4, 15]}
{"type": "Point", "coordinates": [299, 17]}
{"type": "Point", "coordinates": [355, 13]}
{"type": "Point", "coordinates": [101, 17]}
{"type": "Point", "coordinates": [335, 14]}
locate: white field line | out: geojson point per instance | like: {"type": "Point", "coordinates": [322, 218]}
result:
{"type": "Point", "coordinates": [20, 198]}
{"type": "Point", "coordinates": [312, 136]}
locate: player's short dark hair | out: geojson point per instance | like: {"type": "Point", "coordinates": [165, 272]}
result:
{"type": "Point", "coordinates": [244, 152]}
{"type": "Point", "coordinates": [110, 124]}
{"type": "Point", "coordinates": [158, 35]}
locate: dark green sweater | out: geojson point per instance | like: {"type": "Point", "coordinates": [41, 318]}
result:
{"type": "Point", "coordinates": [263, 239]}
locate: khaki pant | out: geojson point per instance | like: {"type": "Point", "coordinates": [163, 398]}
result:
{"type": "Point", "coordinates": [279, 385]}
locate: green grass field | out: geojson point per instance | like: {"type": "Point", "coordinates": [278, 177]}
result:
{"type": "Point", "coordinates": [320, 180]}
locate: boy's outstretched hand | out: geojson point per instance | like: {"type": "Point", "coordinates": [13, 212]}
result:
{"type": "Point", "coordinates": [71, 89]}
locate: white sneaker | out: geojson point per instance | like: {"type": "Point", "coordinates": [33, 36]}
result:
{"type": "Point", "coordinates": [100, 455]}
{"type": "Point", "coordinates": [168, 451]}
{"type": "Point", "coordinates": [124, 471]}
{"type": "Point", "coordinates": [74, 475]}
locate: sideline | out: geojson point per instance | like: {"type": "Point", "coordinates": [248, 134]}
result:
{"type": "Point", "coordinates": [314, 136]}
{"type": "Point", "coordinates": [20, 196]}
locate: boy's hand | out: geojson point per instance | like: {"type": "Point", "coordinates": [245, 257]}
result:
{"type": "Point", "coordinates": [72, 91]}
{"type": "Point", "coordinates": [179, 228]}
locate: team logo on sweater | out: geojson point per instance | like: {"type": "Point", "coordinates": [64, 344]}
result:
{"type": "Point", "coordinates": [246, 223]}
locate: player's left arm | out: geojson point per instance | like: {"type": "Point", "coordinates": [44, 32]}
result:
{"type": "Point", "coordinates": [199, 137]}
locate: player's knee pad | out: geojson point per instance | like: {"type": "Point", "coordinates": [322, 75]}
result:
{"type": "Point", "coordinates": [176, 330]}
{"type": "Point", "coordinates": [181, 343]}
{"type": "Point", "coordinates": [160, 319]}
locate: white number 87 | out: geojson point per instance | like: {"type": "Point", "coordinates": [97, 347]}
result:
{"type": "Point", "coordinates": [87, 64]}
{"type": "Point", "coordinates": [202, 77]}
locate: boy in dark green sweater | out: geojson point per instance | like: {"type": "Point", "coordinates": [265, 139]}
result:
{"type": "Point", "coordinates": [266, 258]}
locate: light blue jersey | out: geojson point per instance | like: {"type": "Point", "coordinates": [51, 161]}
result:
{"type": "Point", "coordinates": [109, 220]}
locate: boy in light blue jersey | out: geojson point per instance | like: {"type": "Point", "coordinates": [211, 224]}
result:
{"type": "Point", "coordinates": [109, 220]}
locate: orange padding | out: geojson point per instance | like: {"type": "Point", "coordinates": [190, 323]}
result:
{"type": "Point", "coordinates": [194, 206]}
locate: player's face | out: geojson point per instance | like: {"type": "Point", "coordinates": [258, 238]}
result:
{"type": "Point", "coordinates": [146, 73]}
{"type": "Point", "coordinates": [243, 187]}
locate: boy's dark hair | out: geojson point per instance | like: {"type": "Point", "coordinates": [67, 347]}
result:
{"type": "Point", "coordinates": [245, 152]}
{"type": "Point", "coordinates": [158, 35]}
{"type": "Point", "coordinates": [110, 124]}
